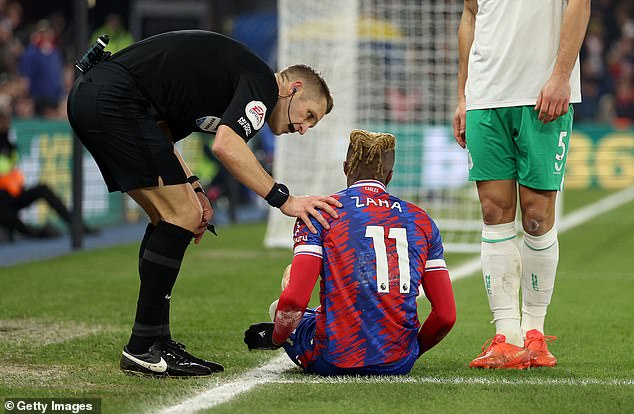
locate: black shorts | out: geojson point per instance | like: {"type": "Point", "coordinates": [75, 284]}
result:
{"type": "Point", "coordinates": [117, 124]}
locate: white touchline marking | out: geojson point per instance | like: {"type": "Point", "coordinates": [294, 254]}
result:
{"type": "Point", "coordinates": [593, 210]}
{"type": "Point", "coordinates": [453, 380]}
{"type": "Point", "coordinates": [273, 371]}
{"type": "Point", "coordinates": [221, 393]}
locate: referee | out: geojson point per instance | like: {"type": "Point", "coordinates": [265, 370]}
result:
{"type": "Point", "coordinates": [130, 108]}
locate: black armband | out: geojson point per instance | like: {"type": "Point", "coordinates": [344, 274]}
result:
{"type": "Point", "coordinates": [278, 195]}
{"type": "Point", "coordinates": [199, 190]}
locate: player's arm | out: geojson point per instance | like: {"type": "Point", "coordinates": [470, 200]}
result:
{"type": "Point", "coordinates": [465, 39]}
{"type": "Point", "coordinates": [437, 286]}
{"type": "Point", "coordinates": [554, 97]}
{"type": "Point", "coordinates": [305, 271]}
{"type": "Point", "coordinates": [234, 153]}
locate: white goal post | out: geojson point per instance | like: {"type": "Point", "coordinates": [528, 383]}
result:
{"type": "Point", "coordinates": [391, 66]}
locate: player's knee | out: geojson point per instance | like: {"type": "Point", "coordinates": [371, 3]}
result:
{"type": "Point", "coordinates": [534, 223]}
{"type": "Point", "coordinates": [273, 309]}
{"type": "Point", "coordinates": [496, 212]}
{"type": "Point", "coordinates": [286, 277]}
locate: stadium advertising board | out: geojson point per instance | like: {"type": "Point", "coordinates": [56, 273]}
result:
{"type": "Point", "coordinates": [428, 158]}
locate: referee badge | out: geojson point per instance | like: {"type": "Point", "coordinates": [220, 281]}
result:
{"type": "Point", "coordinates": [208, 123]}
{"type": "Point", "coordinates": [256, 112]}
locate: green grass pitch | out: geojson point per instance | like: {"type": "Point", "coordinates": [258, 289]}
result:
{"type": "Point", "coordinates": [64, 321]}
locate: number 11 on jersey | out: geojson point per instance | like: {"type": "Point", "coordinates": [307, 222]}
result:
{"type": "Point", "coordinates": [377, 233]}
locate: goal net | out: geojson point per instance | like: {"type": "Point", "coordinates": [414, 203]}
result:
{"type": "Point", "coordinates": [391, 66]}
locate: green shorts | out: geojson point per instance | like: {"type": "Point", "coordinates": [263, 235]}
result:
{"type": "Point", "coordinates": [512, 144]}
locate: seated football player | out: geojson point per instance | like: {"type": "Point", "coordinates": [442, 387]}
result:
{"type": "Point", "coordinates": [372, 262]}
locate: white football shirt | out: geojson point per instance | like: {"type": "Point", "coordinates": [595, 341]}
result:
{"type": "Point", "coordinates": [513, 53]}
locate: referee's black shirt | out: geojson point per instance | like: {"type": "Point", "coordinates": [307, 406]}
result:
{"type": "Point", "coordinates": [197, 80]}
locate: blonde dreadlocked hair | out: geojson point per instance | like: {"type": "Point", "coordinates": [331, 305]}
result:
{"type": "Point", "coordinates": [368, 152]}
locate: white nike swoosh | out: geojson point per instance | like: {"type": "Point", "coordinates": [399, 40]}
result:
{"type": "Point", "coordinates": [160, 366]}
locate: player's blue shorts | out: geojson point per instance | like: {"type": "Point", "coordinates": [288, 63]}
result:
{"type": "Point", "coordinates": [302, 340]}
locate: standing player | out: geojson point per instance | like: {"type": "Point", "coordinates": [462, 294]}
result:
{"type": "Point", "coordinates": [129, 110]}
{"type": "Point", "coordinates": [372, 261]}
{"type": "Point", "coordinates": [515, 88]}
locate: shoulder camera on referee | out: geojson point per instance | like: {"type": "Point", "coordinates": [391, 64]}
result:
{"type": "Point", "coordinates": [94, 55]}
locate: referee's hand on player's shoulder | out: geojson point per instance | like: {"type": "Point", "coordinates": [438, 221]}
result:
{"type": "Point", "coordinates": [305, 206]}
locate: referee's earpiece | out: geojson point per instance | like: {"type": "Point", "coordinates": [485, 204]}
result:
{"type": "Point", "coordinates": [291, 126]}
{"type": "Point", "coordinates": [293, 92]}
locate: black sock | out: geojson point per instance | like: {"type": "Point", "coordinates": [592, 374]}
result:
{"type": "Point", "coordinates": [149, 230]}
{"type": "Point", "coordinates": [166, 335]}
{"type": "Point", "coordinates": [165, 321]}
{"type": "Point", "coordinates": [159, 268]}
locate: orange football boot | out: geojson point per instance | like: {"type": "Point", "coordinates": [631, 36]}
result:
{"type": "Point", "coordinates": [500, 355]}
{"type": "Point", "coordinates": [536, 343]}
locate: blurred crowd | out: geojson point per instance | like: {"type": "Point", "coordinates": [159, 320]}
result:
{"type": "Point", "coordinates": [607, 64]}
{"type": "Point", "coordinates": [36, 62]}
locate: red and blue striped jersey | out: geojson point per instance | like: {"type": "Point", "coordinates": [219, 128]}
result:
{"type": "Point", "coordinates": [375, 255]}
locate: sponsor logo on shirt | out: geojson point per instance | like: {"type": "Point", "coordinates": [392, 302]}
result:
{"type": "Point", "coordinates": [208, 123]}
{"type": "Point", "coordinates": [245, 124]}
{"type": "Point", "coordinates": [255, 111]}
{"type": "Point", "coordinates": [299, 239]}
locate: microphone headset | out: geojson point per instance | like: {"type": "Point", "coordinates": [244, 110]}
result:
{"type": "Point", "coordinates": [291, 126]}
